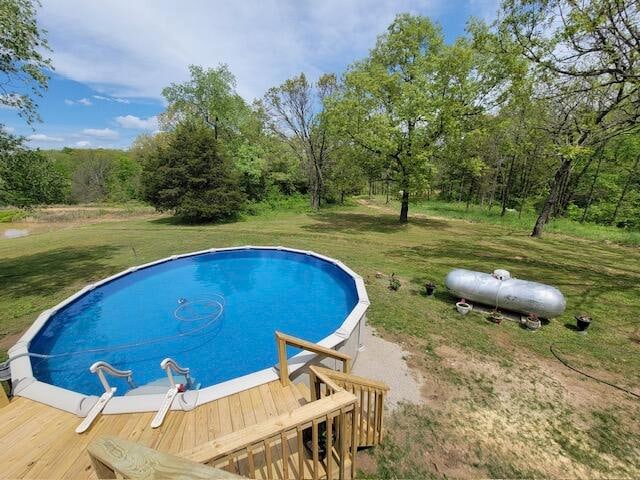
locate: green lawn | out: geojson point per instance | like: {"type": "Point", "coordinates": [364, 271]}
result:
{"type": "Point", "coordinates": [38, 271]}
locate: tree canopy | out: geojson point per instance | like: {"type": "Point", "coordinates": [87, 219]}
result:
{"type": "Point", "coordinates": [23, 60]}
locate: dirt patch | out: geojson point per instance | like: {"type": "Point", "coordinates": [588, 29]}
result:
{"type": "Point", "coordinates": [8, 341]}
{"type": "Point", "coordinates": [527, 417]}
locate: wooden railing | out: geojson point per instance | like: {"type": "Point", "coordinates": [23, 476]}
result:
{"type": "Point", "coordinates": [283, 340]}
{"type": "Point", "coordinates": [369, 393]}
{"type": "Point", "coordinates": [276, 448]}
{"type": "Point", "coordinates": [113, 457]}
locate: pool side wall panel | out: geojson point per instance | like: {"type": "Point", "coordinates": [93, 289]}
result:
{"type": "Point", "coordinates": [347, 339]}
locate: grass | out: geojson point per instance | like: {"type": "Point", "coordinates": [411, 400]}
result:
{"type": "Point", "coordinates": [11, 215]}
{"type": "Point", "coordinates": [513, 221]}
{"type": "Point", "coordinates": [40, 270]}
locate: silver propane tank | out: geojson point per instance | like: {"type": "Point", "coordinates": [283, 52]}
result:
{"type": "Point", "coordinates": [501, 290]}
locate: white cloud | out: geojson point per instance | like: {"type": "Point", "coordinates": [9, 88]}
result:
{"type": "Point", "coordinates": [83, 101]}
{"type": "Point", "coordinates": [137, 123]}
{"type": "Point", "coordinates": [41, 137]}
{"type": "Point", "coordinates": [111, 99]}
{"type": "Point", "coordinates": [7, 128]}
{"type": "Point", "coordinates": [83, 143]}
{"type": "Point", "coordinates": [105, 133]}
{"type": "Point", "coordinates": [134, 49]}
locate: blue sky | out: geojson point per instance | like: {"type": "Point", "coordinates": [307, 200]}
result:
{"type": "Point", "coordinates": [113, 58]}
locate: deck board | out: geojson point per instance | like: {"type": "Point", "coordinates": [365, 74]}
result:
{"type": "Point", "coordinates": [39, 441]}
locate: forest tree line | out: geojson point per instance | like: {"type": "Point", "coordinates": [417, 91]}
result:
{"type": "Point", "coordinates": [537, 110]}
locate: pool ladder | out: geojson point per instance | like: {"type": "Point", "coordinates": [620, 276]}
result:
{"type": "Point", "coordinates": [170, 366]}
{"type": "Point", "coordinates": [100, 368]}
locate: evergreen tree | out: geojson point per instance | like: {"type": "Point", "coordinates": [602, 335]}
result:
{"type": "Point", "coordinates": [192, 177]}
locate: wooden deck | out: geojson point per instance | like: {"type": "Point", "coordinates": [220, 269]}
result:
{"type": "Point", "coordinates": [38, 441]}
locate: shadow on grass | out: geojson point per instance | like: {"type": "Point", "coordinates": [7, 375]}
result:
{"type": "Point", "coordinates": [47, 272]}
{"type": "Point", "coordinates": [345, 222]}
{"type": "Point", "coordinates": [181, 222]}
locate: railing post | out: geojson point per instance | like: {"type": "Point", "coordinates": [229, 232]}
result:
{"type": "Point", "coordinates": [354, 440]}
{"type": "Point", "coordinates": [345, 366]}
{"type": "Point", "coordinates": [314, 386]}
{"type": "Point", "coordinates": [282, 357]}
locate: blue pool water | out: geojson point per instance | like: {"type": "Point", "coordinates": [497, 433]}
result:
{"type": "Point", "coordinates": [170, 309]}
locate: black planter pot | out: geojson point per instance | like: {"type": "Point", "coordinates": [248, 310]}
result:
{"type": "Point", "coordinates": [582, 323]}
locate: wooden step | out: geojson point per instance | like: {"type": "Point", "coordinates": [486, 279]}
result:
{"type": "Point", "coordinates": [304, 391]}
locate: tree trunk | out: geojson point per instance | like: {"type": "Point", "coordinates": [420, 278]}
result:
{"type": "Point", "coordinates": [552, 199]}
{"type": "Point", "coordinates": [387, 181]}
{"type": "Point", "coordinates": [624, 190]}
{"type": "Point", "coordinates": [404, 208]}
{"type": "Point", "coordinates": [525, 190]}
{"type": "Point", "coordinates": [590, 197]}
{"type": "Point", "coordinates": [495, 183]}
{"type": "Point", "coordinates": [507, 187]}
{"type": "Point", "coordinates": [470, 194]}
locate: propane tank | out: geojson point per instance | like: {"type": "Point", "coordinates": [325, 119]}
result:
{"type": "Point", "coordinates": [501, 290]}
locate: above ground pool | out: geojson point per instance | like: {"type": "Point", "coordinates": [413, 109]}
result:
{"type": "Point", "coordinates": [214, 312]}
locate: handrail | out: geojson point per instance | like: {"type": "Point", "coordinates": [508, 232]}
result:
{"type": "Point", "coordinates": [113, 457]}
{"type": "Point", "coordinates": [285, 434]}
{"type": "Point", "coordinates": [237, 440]}
{"type": "Point", "coordinates": [169, 365]}
{"type": "Point", "coordinates": [282, 340]}
{"type": "Point", "coordinates": [100, 367]}
{"type": "Point", "coordinates": [333, 375]}
{"type": "Point", "coordinates": [321, 373]}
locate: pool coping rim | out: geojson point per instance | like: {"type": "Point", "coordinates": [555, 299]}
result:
{"type": "Point", "coordinates": [27, 386]}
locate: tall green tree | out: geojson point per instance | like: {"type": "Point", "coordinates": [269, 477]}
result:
{"type": "Point", "coordinates": [191, 176]}
{"type": "Point", "coordinates": [399, 102]}
{"type": "Point", "coordinates": [23, 60]}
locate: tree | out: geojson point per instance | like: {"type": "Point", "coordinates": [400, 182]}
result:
{"type": "Point", "coordinates": [586, 59]}
{"type": "Point", "coordinates": [399, 102]}
{"type": "Point", "coordinates": [208, 95]}
{"type": "Point", "coordinates": [90, 182]}
{"type": "Point", "coordinates": [27, 177]}
{"type": "Point", "coordinates": [22, 58]}
{"type": "Point", "coordinates": [295, 107]}
{"type": "Point", "coordinates": [191, 176]}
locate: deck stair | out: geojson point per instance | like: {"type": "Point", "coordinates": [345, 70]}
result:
{"type": "Point", "coordinates": [304, 391]}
